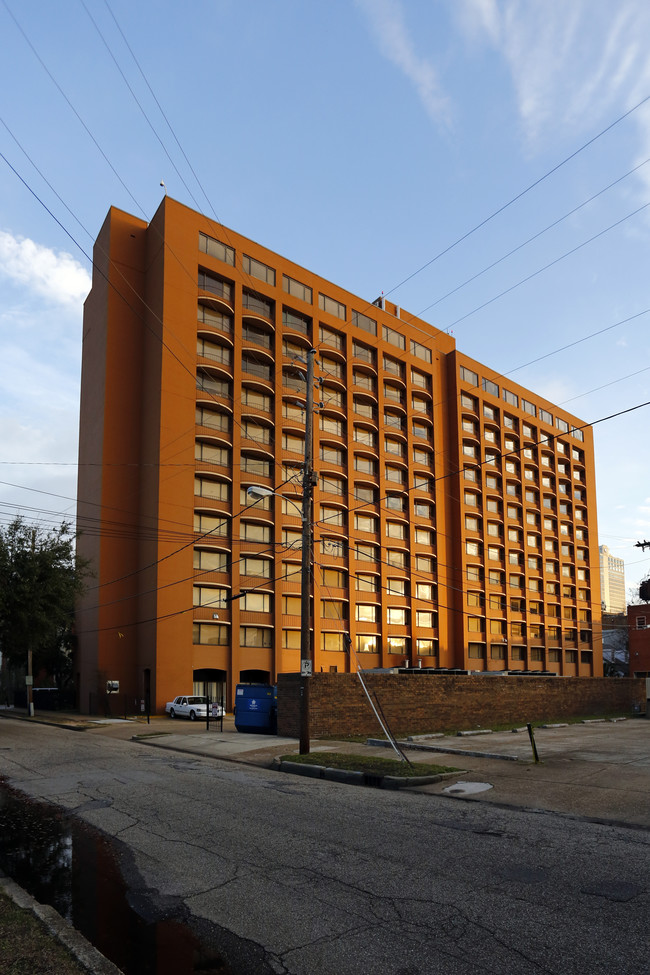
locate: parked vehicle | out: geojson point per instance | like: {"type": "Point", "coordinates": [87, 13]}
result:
{"type": "Point", "coordinates": [192, 707]}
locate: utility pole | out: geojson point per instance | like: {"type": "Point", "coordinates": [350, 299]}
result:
{"type": "Point", "coordinates": [306, 656]}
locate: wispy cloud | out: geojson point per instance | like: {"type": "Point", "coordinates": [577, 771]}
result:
{"type": "Point", "coordinates": [54, 275]}
{"type": "Point", "coordinates": [386, 18]}
{"type": "Point", "coordinates": [571, 63]}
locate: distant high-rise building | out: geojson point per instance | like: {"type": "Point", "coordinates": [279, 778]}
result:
{"type": "Point", "coordinates": [612, 582]}
{"type": "Point", "coordinates": [454, 512]}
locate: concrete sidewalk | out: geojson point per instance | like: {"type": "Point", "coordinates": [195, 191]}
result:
{"type": "Point", "coordinates": [594, 770]}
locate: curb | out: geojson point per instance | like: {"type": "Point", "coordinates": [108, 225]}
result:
{"type": "Point", "coordinates": [86, 954]}
{"type": "Point", "coordinates": [381, 742]}
{"type": "Point", "coordinates": [360, 778]}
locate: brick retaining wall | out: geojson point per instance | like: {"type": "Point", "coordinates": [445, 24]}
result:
{"type": "Point", "coordinates": [419, 703]}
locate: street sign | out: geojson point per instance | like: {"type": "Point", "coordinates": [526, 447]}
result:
{"type": "Point", "coordinates": [305, 668]}
{"type": "Point", "coordinates": [29, 681]}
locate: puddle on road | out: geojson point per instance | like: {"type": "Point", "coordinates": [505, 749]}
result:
{"type": "Point", "coordinates": [74, 868]}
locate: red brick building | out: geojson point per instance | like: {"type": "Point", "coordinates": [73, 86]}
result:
{"type": "Point", "coordinates": [638, 621]}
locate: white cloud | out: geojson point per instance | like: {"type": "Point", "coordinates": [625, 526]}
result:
{"type": "Point", "coordinates": [572, 64]}
{"type": "Point", "coordinates": [395, 43]}
{"type": "Point", "coordinates": [54, 275]}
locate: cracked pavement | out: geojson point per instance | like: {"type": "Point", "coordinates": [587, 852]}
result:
{"type": "Point", "coordinates": [309, 877]}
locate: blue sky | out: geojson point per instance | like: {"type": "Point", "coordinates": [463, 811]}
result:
{"type": "Point", "coordinates": [360, 138]}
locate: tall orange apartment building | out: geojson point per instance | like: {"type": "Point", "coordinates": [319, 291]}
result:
{"type": "Point", "coordinates": [454, 512]}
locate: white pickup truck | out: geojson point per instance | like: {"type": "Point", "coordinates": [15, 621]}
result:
{"type": "Point", "coordinates": [191, 707]}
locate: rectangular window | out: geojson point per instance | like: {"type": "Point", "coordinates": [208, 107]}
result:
{"type": "Point", "coordinates": [210, 596]}
{"type": "Point", "coordinates": [490, 387]}
{"type": "Point", "coordinates": [510, 398]}
{"type": "Point", "coordinates": [365, 553]}
{"type": "Point", "coordinates": [256, 602]}
{"type": "Point", "coordinates": [362, 321]}
{"type": "Point", "coordinates": [333, 609]}
{"type": "Point", "coordinates": [332, 455]}
{"type": "Point", "coordinates": [420, 351]}
{"type": "Point", "coordinates": [331, 485]}
{"type": "Point", "coordinates": [296, 289]}
{"type": "Point", "coordinates": [212, 455]}
{"type": "Point", "coordinates": [393, 337]}
{"type": "Point", "coordinates": [329, 337]}
{"type": "Point", "coordinates": [255, 636]}
{"type": "Point", "coordinates": [331, 546]}
{"type": "Point", "coordinates": [214, 247]}
{"type": "Point", "coordinates": [332, 516]}
{"type": "Point", "coordinates": [331, 306]}
{"type": "Point", "coordinates": [218, 490]}
{"type": "Point", "coordinates": [210, 561]}
{"type": "Point", "coordinates": [294, 320]}
{"type": "Point", "coordinates": [365, 523]}
{"type": "Point", "coordinates": [212, 634]}
{"type": "Point", "coordinates": [468, 376]}
{"type": "Point", "coordinates": [366, 643]}
{"type": "Point", "coordinates": [468, 402]}
{"type": "Point", "coordinates": [396, 616]}
{"type": "Point", "coordinates": [256, 568]}
{"type": "Point", "coordinates": [423, 563]}
{"type": "Point", "coordinates": [366, 583]}
{"type": "Point", "coordinates": [334, 578]}
{"type": "Point", "coordinates": [393, 366]}
{"type": "Point", "coordinates": [258, 270]}
{"type": "Point", "coordinates": [396, 558]}
{"type": "Point", "coordinates": [254, 531]}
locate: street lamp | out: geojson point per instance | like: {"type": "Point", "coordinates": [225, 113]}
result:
{"type": "Point", "coordinates": [306, 576]}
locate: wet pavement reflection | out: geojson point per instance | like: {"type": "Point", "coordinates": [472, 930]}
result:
{"type": "Point", "coordinates": [64, 863]}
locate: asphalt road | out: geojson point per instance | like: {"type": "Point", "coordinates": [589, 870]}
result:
{"type": "Point", "coordinates": [308, 877]}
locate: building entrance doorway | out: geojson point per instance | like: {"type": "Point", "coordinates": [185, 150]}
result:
{"type": "Point", "coordinates": [212, 683]}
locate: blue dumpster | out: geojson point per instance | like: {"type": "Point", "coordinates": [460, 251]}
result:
{"type": "Point", "coordinates": [256, 708]}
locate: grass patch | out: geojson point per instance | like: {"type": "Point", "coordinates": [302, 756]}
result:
{"type": "Point", "coordinates": [28, 948]}
{"type": "Point", "coordinates": [367, 763]}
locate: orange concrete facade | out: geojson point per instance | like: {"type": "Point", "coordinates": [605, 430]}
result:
{"type": "Point", "coordinates": [454, 512]}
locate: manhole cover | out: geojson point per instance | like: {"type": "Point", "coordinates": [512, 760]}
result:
{"type": "Point", "coordinates": [466, 788]}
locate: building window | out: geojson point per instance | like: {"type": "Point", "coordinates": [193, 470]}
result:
{"type": "Point", "coordinates": [258, 270]}
{"type": "Point", "coordinates": [291, 639]}
{"type": "Point", "coordinates": [255, 636]}
{"type": "Point", "coordinates": [212, 634]}
{"type": "Point", "coordinates": [362, 321]}
{"type": "Point", "coordinates": [393, 337]}
{"type": "Point", "coordinates": [256, 568]}
{"type": "Point", "coordinates": [333, 609]}
{"type": "Point", "coordinates": [365, 553]}
{"type": "Point", "coordinates": [468, 376]}
{"type": "Point", "coordinates": [396, 558]}
{"type": "Point", "coordinates": [253, 531]}
{"type": "Point", "coordinates": [331, 306]}
{"type": "Point", "coordinates": [424, 618]}
{"type": "Point", "coordinates": [214, 247]}
{"type": "Point", "coordinates": [426, 648]}
{"type": "Point", "coordinates": [420, 351]}
{"type": "Point", "coordinates": [331, 485]}
{"type": "Point", "coordinates": [210, 596]}
{"type": "Point", "coordinates": [329, 337]}
{"type": "Point", "coordinates": [366, 643]}
{"type": "Point", "coordinates": [256, 602]}
{"type": "Point", "coordinates": [366, 583]}
{"type": "Point", "coordinates": [397, 616]}
{"type": "Point", "coordinates": [296, 289]}
{"type": "Point", "coordinates": [332, 642]}
{"type": "Point", "coordinates": [294, 320]}
{"type": "Point", "coordinates": [490, 387]}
